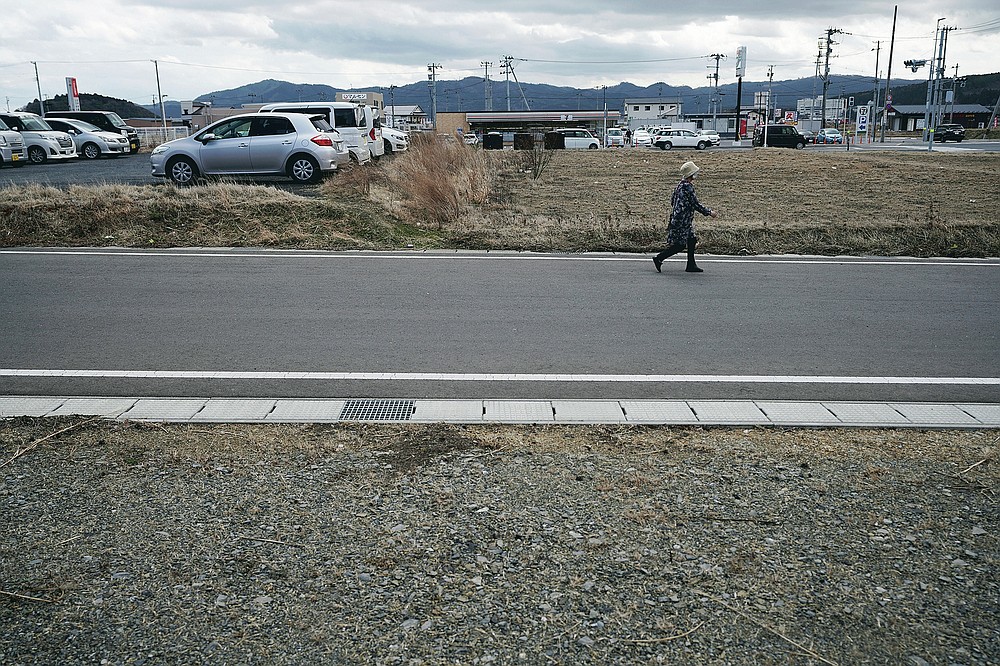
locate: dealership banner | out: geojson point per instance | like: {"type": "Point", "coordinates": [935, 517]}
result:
{"type": "Point", "coordinates": [72, 94]}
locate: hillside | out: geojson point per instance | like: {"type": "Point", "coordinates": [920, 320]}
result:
{"type": "Point", "coordinates": [469, 94]}
{"type": "Point", "coordinates": [93, 102]}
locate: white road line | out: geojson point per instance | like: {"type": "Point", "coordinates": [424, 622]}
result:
{"type": "Point", "coordinates": [491, 377]}
{"type": "Point", "coordinates": [502, 256]}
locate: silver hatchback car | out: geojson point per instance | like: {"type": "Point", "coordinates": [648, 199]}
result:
{"type": "Point", "coordinates": [296, 145]}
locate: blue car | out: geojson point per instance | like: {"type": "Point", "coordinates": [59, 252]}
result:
{"type": "Point", "coordinates": [829, 135]}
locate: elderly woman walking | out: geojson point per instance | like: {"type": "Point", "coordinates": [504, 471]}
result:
{"type": "Point", "coordinates": [680, 230]}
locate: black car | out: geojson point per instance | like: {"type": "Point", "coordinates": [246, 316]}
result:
{"type": "Point", "coordinates": [951, 132]}
{"type": "Point", "coordinates": [779, 136]}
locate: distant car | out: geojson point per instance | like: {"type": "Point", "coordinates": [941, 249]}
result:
{"type": "Point", "coordinates": [42, 142]}
{"type": "Point", "coordinates": [579, 138]}
{"type": "Point", "coordinates": [829, 135]}
{"type": "Point", "coordinates": [681, 138]}
{"type": "Point", "coordinates": [949, 132]}
{"type": "Point", "coordinates": [297, 145]}
{"type": "Point", "coordinates": [614, 137]}
{"type": "Point", "coordinates": [712, 135]}
{"type": "Point", "coordinates": [395, 140]}
{"type": "Point", "coordinates": [808, 136]}
{"type": "Point", "coordinates": [471, 139]}
{"type": "Point", "coordinates": [641, 139]}
{"type": "Point", "coordinates": [91, 141]}
{"type": "Point", "coordinates": [779, 136]}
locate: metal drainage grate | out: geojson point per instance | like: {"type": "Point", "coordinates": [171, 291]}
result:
{"type": "Point", "coordinates": [377, 410]}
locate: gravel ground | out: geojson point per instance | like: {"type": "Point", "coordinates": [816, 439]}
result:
{"type": "Point", "coordinates": [127, 543]}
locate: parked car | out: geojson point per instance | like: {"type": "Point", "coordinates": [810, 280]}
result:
{"type": "Point", "coordinates": [470, 139]}
{"type": "Point", "coordinates": [949, 132]}
{"type": "Point", "coordinates": [355, 123]}
{"type": "Point", "coordinates": [395, 140]}
{"type": "Point", "coordinates": [91, 141]}
{"type": "Point", "coordinates": [641, 139]}
{"type": "Point", "coordinates": [109, 121]}
{"type": "Point", "coordinates": [579, 138]}
{"type": "Point", "coordinates": [712, 135]}
{"type": "Point", "coordinates": [680, 138]}
{"type": "Point", "coordinates": [808, 136]}
{"type": "Point", "coordinates": [829, 135]}
{"type": "Point", "coordinates": [41, 141]}
{"type": "Point", "coordinates": [614, 137]}
{"type": "Point", "coordinates": [779, 136]}
{"type": "Point", "coordinates": [12, 150]}
{"type": "Point", "coordinates": [299, 146]}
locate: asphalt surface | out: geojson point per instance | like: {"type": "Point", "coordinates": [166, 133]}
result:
{"type": "Point", "coordinates": [478, 325]}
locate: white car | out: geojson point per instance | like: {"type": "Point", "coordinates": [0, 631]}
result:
{"type": "Point", "coordinates": [579, 138]}
{"type": "Point", "coordinates": [641, 139]}
{"type": "Point", "coordinates": [42, 142]}
{"type": "Point", "coordinates": [470, 139]}
{"type": "Point", "coordinates": [91, 141]}
{"type": "Point", "coordinates": [614, 137]}
{"type": "Point", "coordinates": [710, 134]}
{"type": "Point", "coordinates": [681, 138]}
{"type": "Point", "coordinates": [296, 145]}
{"type": "Point", "coordinates": [395, 141]}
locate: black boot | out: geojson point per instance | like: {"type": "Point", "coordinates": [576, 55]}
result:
{"type": "Point", "coordinates": [692, 267]}
{"type": "Point", "coordinates": [669, 252]}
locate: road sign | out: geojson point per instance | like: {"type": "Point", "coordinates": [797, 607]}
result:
{"type": "Point", "coordinates": [863, 119]}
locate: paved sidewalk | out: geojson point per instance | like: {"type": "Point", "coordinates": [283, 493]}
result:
{"type": "Point", "coordinates": [649, 412]}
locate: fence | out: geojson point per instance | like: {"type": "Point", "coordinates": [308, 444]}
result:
{"type": "Point", "coordinates": [150, 137]}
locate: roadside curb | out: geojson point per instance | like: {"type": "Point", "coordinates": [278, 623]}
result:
{"type": "Point", "coordinates": [783, 413]}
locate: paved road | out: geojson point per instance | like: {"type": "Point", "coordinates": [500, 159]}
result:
{"type": "Point", "coordinates": [551, 326]}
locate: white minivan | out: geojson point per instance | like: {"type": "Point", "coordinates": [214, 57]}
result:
{"type": "Point", "coordinates": [357, 124]}
{"type": "Point", "coordinates": [43, 142]}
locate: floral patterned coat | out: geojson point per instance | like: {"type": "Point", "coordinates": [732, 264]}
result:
{"type": "Point", "coordinates": [683, 205]}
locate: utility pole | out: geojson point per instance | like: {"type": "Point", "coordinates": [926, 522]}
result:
{"type": "Point", "coordinates": [715, 95]}
{"type": "Point", "coordinates": [41, 102]}
{"type": "Point", "coordinates": [830, 32]}
{"type": "Point", "coordinates": [741, 65]}
{"type": "Point", "coordinates": [869, 132]}
{"type": "Point", "coordinates": [432, 83]}
{"type": "Point", "coordinates": [956, 83]}
{"type": "Point", "coordinates": [888, 77]}
{"type": "Point", "coordinates": [506, 70]}
{"type": "Point", "coordinates": [767, 104]}
{"type": "Point", "coordinates": [392, 105]}
{"type": "Point", "coordinates": [928, 116]}
{"type": "Point", "coordinates": [163, 113]}
{"type": "Point", "coordinates": [489, 87]}
{"type": "Point", "coordinates": [939, 73]}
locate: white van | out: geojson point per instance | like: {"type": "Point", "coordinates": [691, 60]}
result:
{"type": "Point", "coordinates": [12, 149]}
{"type": "Point", "coordinates": [356, 124]}
{"type": "Point", "coordinates": [43, 142]}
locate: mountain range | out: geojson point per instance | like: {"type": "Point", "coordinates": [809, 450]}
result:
{"type": "Point", "coordinates": [469, 94]}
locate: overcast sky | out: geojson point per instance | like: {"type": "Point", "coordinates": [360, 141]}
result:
{"type": "Point", "coordinates": [202, 46]}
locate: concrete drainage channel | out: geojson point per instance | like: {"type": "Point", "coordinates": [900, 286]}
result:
{"type": "Point", "coordinates": [647, 412]}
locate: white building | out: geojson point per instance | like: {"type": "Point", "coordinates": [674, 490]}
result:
{"type": "Point", "coordinates": [651, 111]}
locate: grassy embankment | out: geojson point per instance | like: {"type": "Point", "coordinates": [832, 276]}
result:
{"type": "Point", "coordinates": [450, 196]}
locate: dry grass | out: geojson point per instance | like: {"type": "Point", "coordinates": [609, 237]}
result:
{"type": "Point", "coordinates": [447, 195]}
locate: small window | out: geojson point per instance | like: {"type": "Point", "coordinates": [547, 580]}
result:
{"type": "Point", "coordinates": [648, 107]}
{"type": "Point", "coordinates": [635, 108]}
